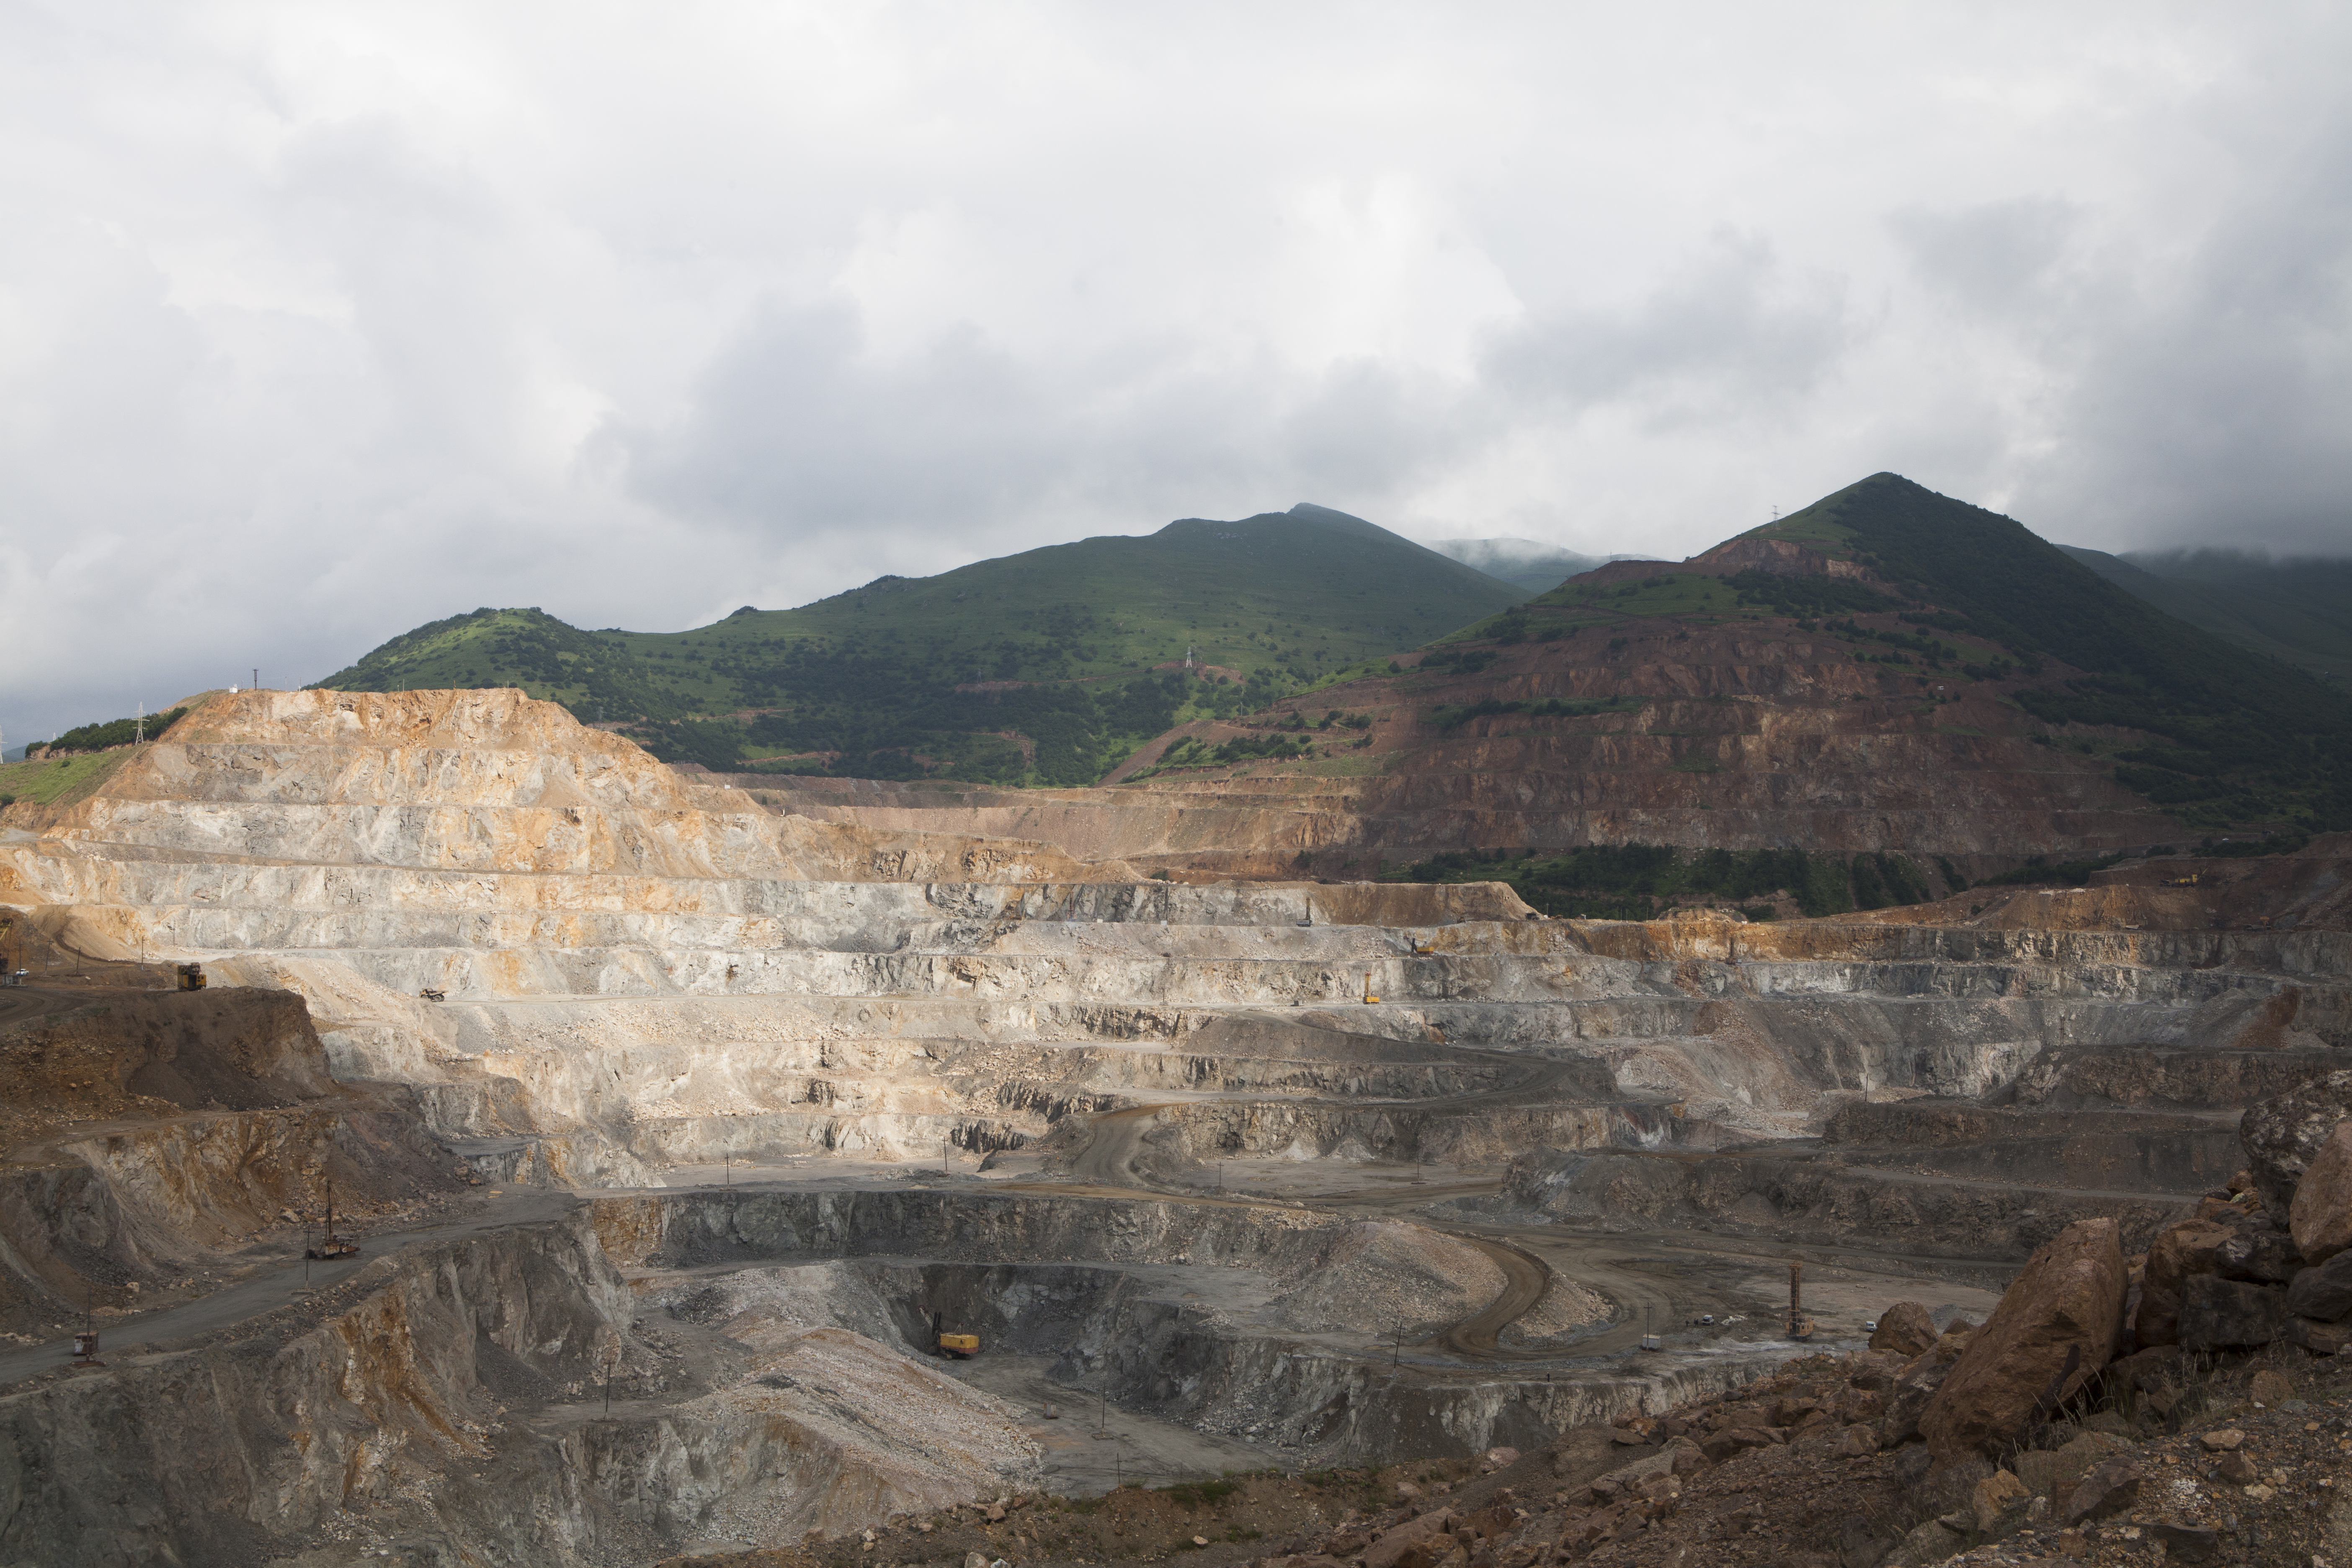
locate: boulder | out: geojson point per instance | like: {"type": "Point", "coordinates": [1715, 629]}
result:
{"type": "Point", "coordinates": [2323, 1293]}
{"type": "Point", "coordinates": [2056, 1326]}
{"type": "Point", "coordinates": [1391, 1546]}
{"type": "Point", "coordinates": [2269, 1388]}
{"type": "Point", "coordinates": [2318, 1338]}
{"type": "Point", "coordinates": [1914, 1388]}
{"type": "Point", "coordinates": [2112, 1486]}
{"type": "Point", "coordinates": [2266, 1256]}
{"type": "Point", "coordinates": [2144, 1370]}
{"type": "Point", "coordinates": [2187, 1543]}
{"type": "Point", "coordinates": [2054, 1472]}
{"type": "Point", "coordinates": [1934, 1542]}
{"type": "Point", "coordinates": [2321, 1214]}
{"type": "Point", "coordinates": [1992, 1497]}
{"type": "Point", "coordinates": [2179, 1254]}
{"type": "Point", "coordinates": [1904, 1328]}
{"type": "Point", "coordinates": [2218, 1313]}
{"type": "Point", "coordinates": [2284, 1132]}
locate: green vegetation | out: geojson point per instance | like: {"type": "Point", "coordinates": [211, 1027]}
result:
{"type": "Point", "coordinates": [1692, 595]}
{"type": "Point", "coordinates": [1787, 595]}
{"type": "Point", "coordinates": [2297, 610]}
{"type": "Point", "coordinates": [115, 733]}
{"type": "Point", "coordinates": [1638, 881]}
{"type": "Point", "coordinates": [2068, 873]}
{"type": "Point", "coordinates": [1451, 716]}
{"type": "Point", "coordinates": [1034, 669]}
{"type": "Point", "coordinates": [2237, 737]}
{"type": "Point", "coordinates": [60, 781]}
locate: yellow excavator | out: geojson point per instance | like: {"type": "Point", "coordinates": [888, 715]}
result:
{"type": "Point", "coordinates": [954, 1347]}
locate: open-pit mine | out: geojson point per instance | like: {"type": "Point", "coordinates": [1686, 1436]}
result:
{"type": "Point", "coordinates": [675, 1124]}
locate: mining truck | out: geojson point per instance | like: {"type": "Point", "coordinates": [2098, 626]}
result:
{"type": "Point", "coordinates": [192, 977]}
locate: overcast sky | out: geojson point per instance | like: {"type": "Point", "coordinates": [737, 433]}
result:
{"type": "Point", "coordinates": [318, 321]}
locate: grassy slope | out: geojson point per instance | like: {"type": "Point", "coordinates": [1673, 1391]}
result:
{"type": "Point", "coordinates": [51, 782]}
{"type": "Point", "coordinates": [2300, 611]}
{"type": "Point", "coordinates": [868, 677]}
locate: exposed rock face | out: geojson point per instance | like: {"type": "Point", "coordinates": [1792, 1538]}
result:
{"type": "Point", "coordinates": [2284, 1134]}
{"type": "Point", "coordinates": [2056, 1326]}
{"type": "Point", "coordinates": [1906, 1329]}
{"type": "Point", "coordinates": [642, 972]}
{"type": "Point", "coordinates": [142, 1129]}
{"type": "Point", "coordinates": [2321, 1214]}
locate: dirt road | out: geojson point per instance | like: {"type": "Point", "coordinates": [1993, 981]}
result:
{"type": "Point", "coordinates": [276, 1284]}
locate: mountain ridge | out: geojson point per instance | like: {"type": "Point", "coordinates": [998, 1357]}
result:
{"type": "Point", "coordinates": [1045, 666]}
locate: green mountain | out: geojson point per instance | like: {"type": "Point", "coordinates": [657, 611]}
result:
{"type": "Point", "coordinates": [2226, 734]}
{"type": "Point", "coordinates": [1048, 667]}
{"type": "Point", "coordinates": [2297, 610]}
{"type": "Point", "coordinates": [1525, 562]}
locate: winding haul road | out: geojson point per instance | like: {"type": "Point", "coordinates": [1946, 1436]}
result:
{"type": "Point", "coordinates": [1108, 1165]}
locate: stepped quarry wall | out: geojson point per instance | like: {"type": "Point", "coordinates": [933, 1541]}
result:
{"type": "Point", "coordinates": [455, 941]}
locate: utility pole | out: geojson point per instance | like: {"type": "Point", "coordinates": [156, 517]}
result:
{"type": "Point", "coordinates": [139, 725]}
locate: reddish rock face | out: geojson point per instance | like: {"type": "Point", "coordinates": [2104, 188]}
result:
{"type": "Point", "coordinates": [2057, 1325]}
{"type": "Point", "coordinates": [2321, 1214]}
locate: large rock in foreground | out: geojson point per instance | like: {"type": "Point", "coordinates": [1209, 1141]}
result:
{"type": "Point", "coordinates": [2180, 1254]}
{"type": "Point", "coordinates": [2057, 1324]}
{"type": "Point", "coordinates": [2284, 1134]}
{"type": "Point", "coordinates": [2323, 1293]}
{"type": "Point", "coordinates": [2321, 1214]}
{"type": "Point", "coordinates": [2230, 1314]}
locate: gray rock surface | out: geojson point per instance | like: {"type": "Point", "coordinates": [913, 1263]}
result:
{"type": "Point", "coordinates": [2230, 1314]}
{"type": "Point", "coordinates": [2282, 1133]}
{"type": "Point", "coordinates": [2263, 1257]}
{"type": "Point", "coordinates": [2324, 1291]}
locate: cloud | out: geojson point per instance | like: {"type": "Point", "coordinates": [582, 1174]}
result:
{"type": "Point", "coordinates": [1729, 332]}
{"type": "Point", "coordinates": [1989, 255]}
{"type": "Point", "coordinates": [319, 322]}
